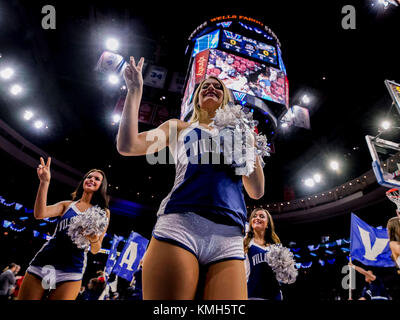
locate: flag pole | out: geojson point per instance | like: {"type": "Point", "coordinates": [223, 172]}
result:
{"type": "Point", "coordinates": [350, 278]}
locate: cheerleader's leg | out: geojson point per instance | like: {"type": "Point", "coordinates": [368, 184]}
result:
{"type": "Point", "coordinates": [226, 280]}
{"type": "Point", "coordinates": [169, 272]}
{"type": "Point", "coordinates": [68, 290]}
{"type": "Point", "coordinates": [31, 288]}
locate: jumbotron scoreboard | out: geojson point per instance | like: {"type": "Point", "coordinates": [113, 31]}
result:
{"type": "Point", "coordinates": [246, 55]}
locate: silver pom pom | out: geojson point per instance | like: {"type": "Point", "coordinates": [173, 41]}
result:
{"type": "Point", "coordinates": [281, 261]}
{"type": "Point", "coordinates": [239, 147]}
{"type": "Point", "coordinates": [92, 222]}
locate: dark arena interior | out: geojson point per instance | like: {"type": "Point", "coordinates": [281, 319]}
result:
{"type": "Point", "coordinates": [55, 103]}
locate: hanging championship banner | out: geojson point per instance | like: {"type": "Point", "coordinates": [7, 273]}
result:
{"type": "Point", "coordinates": [394, 90]}
{"type": "Point", "coordinates": [177, 82]}
{"type": "Point", "coordinates": [130, 256]}
{"type": "Point", "coordinates": [112, 256]}
{"type": "Point", "coordinates": [155, 77]}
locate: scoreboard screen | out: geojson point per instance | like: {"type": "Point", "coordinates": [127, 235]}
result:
{"type": "Point", "coordinates": [250, 47]}
{"type": "Point", "coordinates": [208, 41]}
{"type": "Point", "coordinates": [248, 76]}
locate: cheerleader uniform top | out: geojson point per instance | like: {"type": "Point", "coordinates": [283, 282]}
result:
{"type": "Point", "coordinates": [261, 280]}
{"type": "Point", "coordinates": [203, 183]}
{"type": "Point", "coordinates": [60, 252]}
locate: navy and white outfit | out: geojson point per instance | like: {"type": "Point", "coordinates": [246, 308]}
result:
{"type": "Point", "coordinates": [205, 212]}
{"type": "Point", "coordinates": [61, 253]}
{"type": "Point", "coordinates": [261, 280]}
{"type": "Point", "coordinates": [375, 290]}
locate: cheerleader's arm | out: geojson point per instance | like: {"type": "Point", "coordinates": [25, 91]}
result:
{"type": "Point", "coordinates": [97, 240]}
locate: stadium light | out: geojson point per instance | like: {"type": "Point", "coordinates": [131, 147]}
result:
{"type": "Point", "coordinates": [6, 73]}
{"type": "Point", "coordinates": [28, 114]}
{"type": "Point", "coordinates": [386, 125]}
{"type": "Point", "coordinates": [306, 99]}
{"type": "Point", "coordinates": [309, 182]}
{"type": "Point", "coordinates": [113, 79]}
{"type": "Point", "coordinates": [112, 44]}
{"type": "Point", "coordinates": [15, 89]}
{"type": "Point", "coordinates": [116, 117]}
{"type": "Point", "coordinates": [334, 165]}
{"type": "Point", "coordinates": [317, 177]}
{"type": "Point", "coordinates": [38, 124]}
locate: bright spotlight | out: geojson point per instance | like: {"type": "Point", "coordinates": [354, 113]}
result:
{"type": "Point", "coordinates": [309, 182]}
{"type": "Point", "coordinates": [317, 178]}
{"type": "Point", "coordinates": [284, 125]}
{"type": "Point", "coordinates": [306, 99]}
{"type": "Point", "coordinates": [15, 89]}
{"type": "Point", "coordinates": [386, 125]}
{"type": "Point", "coordinates": [334, 165]}
{"type": "Point", "coordinates": [113, 79]}
{"type": "Point", "coordinates": [6, 73]}
{"type": "Point", "coordinates": [112, 44]}
{"type": "Point", "coordinates": [28, 115]}
{"type": "Point", "coordinates": [38, 124]}
{"type": "Point", "coordinates": [116, 118]}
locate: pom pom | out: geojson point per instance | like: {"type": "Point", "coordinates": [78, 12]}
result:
{"type": "Point", "coordinates": [281, 261]}
{"type": "Point", "coordinates": [240, 143]}
{"type": "Point", "coordinates": [92, 222]}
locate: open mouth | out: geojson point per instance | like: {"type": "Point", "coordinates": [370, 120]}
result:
{"type": "Point", "coordinates": [211, 94]}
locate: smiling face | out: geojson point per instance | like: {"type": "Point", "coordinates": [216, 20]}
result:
{"type": "Point", "coordinates": [259, 221]}
{"type": "Point", "coordinates": [93, 181]}
{"type": "Point", "coordinates": [211, 94]}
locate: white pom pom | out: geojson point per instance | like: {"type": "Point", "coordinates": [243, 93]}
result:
{"type": "Point", "coordinates": [281, 261]}
{"type": "Point", "coordinates": [239, 147]}
{"type": "Point", "coordinates": [92, 222]}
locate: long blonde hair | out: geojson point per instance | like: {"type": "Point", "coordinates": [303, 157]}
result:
{"type": "Point", "coordinates": [196, 107]}
{"type": "Point", "coordinates": [270, 236]}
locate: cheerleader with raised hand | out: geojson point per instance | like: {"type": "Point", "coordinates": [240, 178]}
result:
{"type": "Point", "coordinates": [267, 263]}
{"type": "Point", "coordinates": [60, 264]}
{"type": "Point", "coordinates": [201, 222]}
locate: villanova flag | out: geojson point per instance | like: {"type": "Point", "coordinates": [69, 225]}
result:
{"type": "Point", "coordinates": [369, 245]}
{"type": "Point", "coordinates": [130, 256]}
{"type": "Point", "coordinates": [112, 256]}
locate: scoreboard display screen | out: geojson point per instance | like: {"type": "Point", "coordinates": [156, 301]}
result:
{"type": "Point", "coordinates": [248, 76]}
{"type": "Point", "coordinates": [250, 47]}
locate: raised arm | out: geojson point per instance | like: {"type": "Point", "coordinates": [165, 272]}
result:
{"type": "Point", "coordinates": [41, 209]}
{"type": "Point", "coordinates": [129, 141]}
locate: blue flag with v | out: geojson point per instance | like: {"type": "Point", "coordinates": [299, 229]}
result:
{"type": "Point", "coordinates": [369, 245]}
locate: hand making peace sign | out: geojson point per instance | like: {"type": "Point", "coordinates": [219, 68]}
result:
{"type": "Point", "coordinates": [133, 74]}
{"type": "Point", "coordinates": [43, 170]}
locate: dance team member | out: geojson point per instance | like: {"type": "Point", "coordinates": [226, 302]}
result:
{"type": "Point", "coordinates": [261, 283]}
{"type": "Point", "coordinates": [393, 228]}
{"type": "Point", "coordinates": [60, 253]}
{"type": "Point", "coordinates": [202, 220]}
